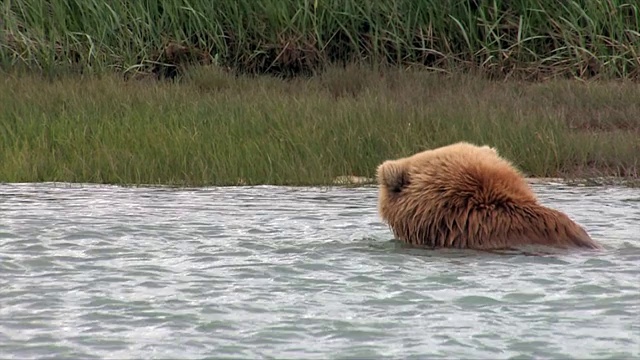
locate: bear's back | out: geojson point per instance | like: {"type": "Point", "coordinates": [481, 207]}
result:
{"type": "Point", "coordinates": [465, 171]}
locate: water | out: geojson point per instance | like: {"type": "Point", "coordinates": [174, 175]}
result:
{"type": "Point", "coordinates": [273, 272]}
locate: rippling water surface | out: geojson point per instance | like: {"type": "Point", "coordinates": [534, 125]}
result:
{"type": "Point", "coordinates": [111, 272]}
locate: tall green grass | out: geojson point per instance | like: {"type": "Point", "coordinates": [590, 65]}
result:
{"type": "Point", "coordinates": [501, 38]}
{"type": "Point", "coordinates": [217, 129]}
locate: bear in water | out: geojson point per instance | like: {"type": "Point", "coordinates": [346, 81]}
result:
{"type": "Point", "coordinates": [468, 197]}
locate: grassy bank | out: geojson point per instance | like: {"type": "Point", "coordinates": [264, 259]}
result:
{"type": "Point", "coordinates": [527, 38]}
{"type": "Point", "coordinates": [215, 129]}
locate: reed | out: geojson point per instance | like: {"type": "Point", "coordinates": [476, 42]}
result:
{"type": "Point", "coordinates": [532, 39]}
{"type": "Point", "coordinates": [214, 128]}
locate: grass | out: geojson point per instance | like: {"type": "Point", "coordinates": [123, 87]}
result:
{"type": "Point", "coordinates": [214, 128]}
{"type": "Point", "coordinates": [533, 39]}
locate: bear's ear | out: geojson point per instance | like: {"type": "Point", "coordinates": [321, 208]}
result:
{"type": "Point", "coordinates": [392, 175]}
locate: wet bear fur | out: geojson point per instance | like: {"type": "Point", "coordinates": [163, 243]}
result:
{"type": "Point", "coordinates": [469, 197]}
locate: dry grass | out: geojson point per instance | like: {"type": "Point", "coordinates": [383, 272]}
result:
{"type": "Point", "coordinates": [217, 129]}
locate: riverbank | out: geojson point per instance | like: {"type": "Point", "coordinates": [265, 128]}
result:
{"type": "Point", "coordinates": [213, 128]}
{"type": "Point", "coordinates": [580, 182]}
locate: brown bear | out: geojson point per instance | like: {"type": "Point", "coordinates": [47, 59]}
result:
{"type": "Point", "coordinates": [467, 196]}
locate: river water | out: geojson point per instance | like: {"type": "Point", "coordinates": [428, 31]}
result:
{"type": "Point", "coordinates": [275, 272]}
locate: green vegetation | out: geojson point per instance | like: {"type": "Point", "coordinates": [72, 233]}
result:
{"type": "Point", "coordinates": [369, 97]}
{"type": "Point", "coordinates": [533, 39]}
{"type": "Point", "coordinates": [214, 128]}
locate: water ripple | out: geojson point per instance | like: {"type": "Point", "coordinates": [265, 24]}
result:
{"type": "Point", "coordinates": [113, 272]}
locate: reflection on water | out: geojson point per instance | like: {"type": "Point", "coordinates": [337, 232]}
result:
{"type": "Point", "coordinates": [96, 272]}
